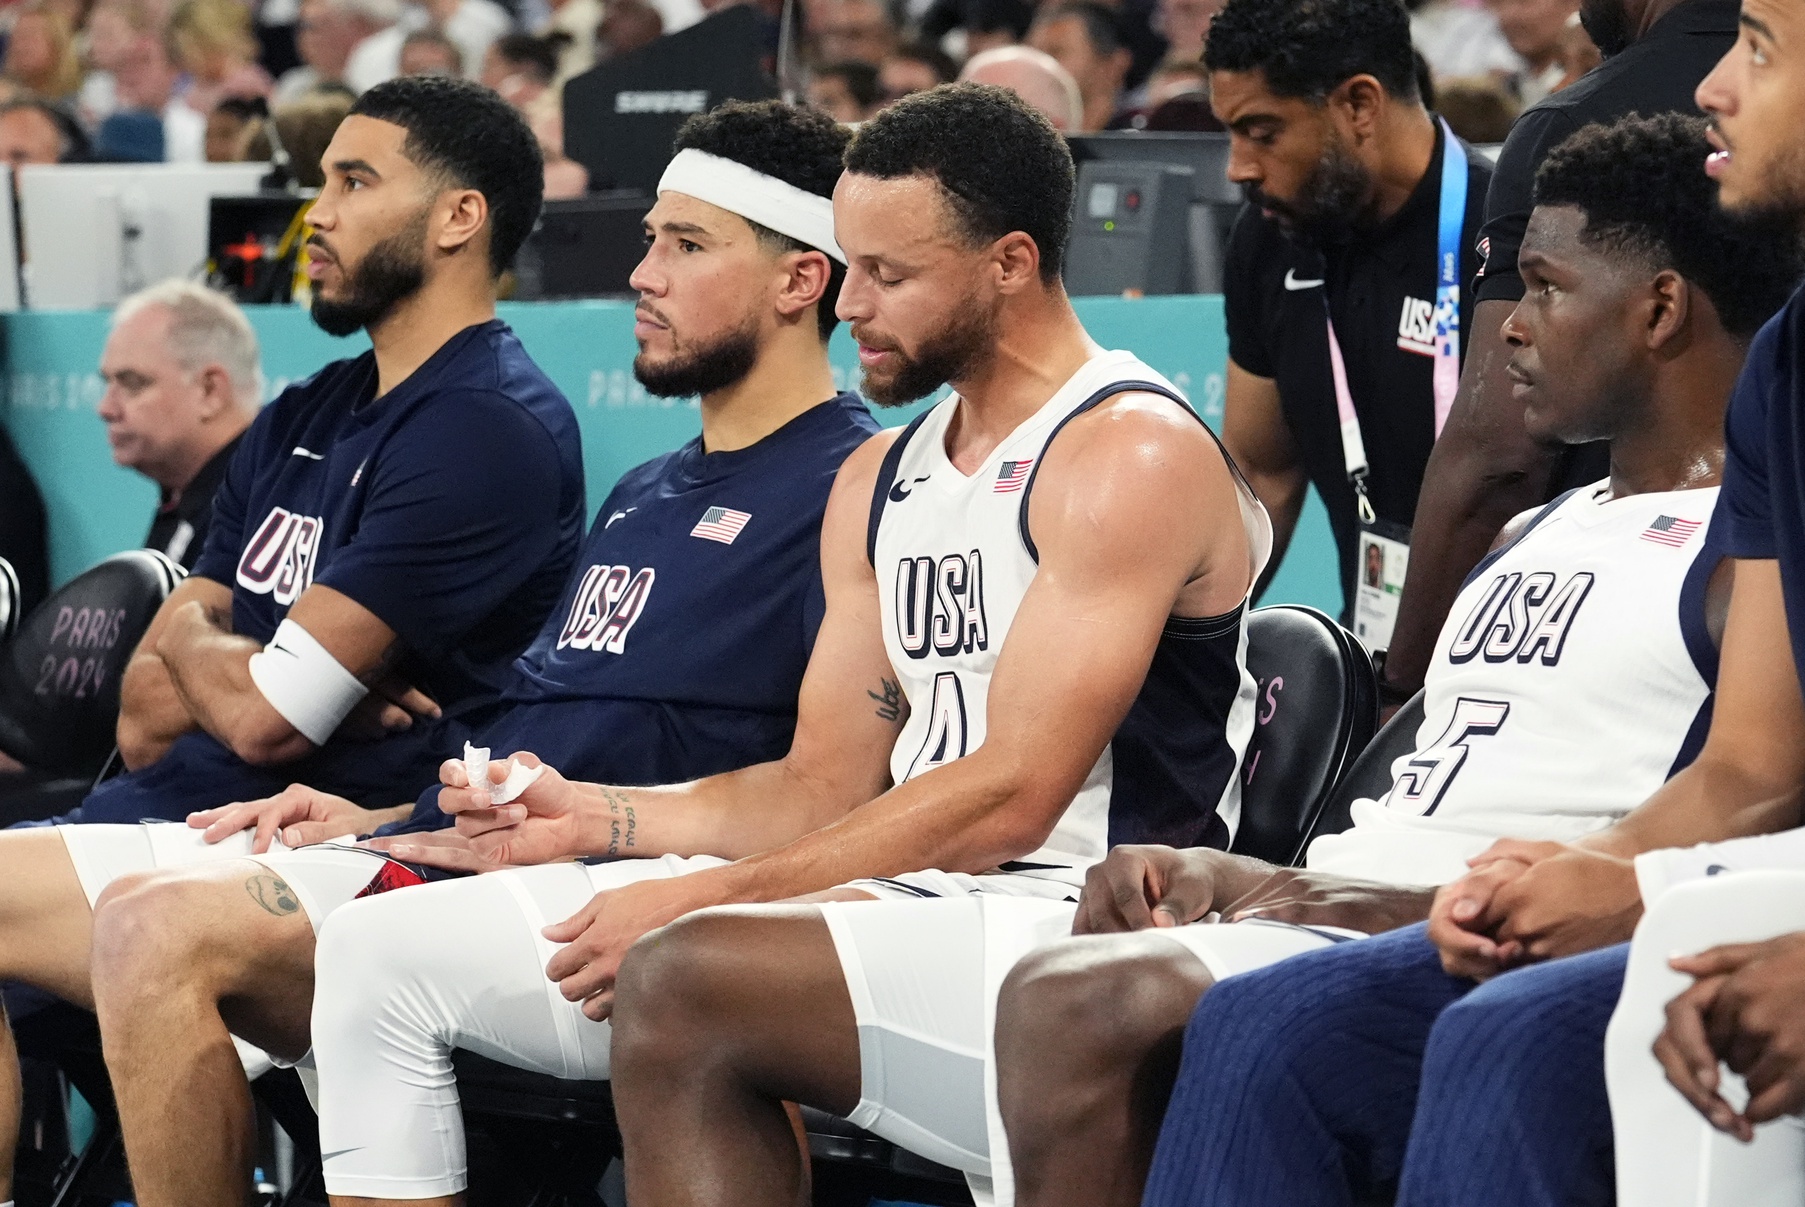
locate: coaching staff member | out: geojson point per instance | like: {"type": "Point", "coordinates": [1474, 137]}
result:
{"type": "Point", "coordinates": [1486, 469]}
{"type": "Point", "coordinates": [183, 383]}
{"type": "Point", "coordinates": [1345, 315]}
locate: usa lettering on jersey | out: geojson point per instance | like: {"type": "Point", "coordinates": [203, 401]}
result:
{"type": "Point", "coordinates": [1522, 616]}
{"type": "Point", "coordinates": [279, 560]}
{"type": "Point", "coordinates": [608, 603]}
{"type": "Point", "coordinates": [940, 605]}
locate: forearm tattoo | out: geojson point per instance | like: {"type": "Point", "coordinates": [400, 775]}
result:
{"type": "Point", "coordinates": [623, 822]}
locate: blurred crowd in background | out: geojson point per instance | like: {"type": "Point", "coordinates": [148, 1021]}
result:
{"type": "Point", "coordinates": [193, 80]}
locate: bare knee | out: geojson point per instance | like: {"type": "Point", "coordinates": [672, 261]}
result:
{"type": "Point", "coordinates": [1096, 1003]}
{"type": "Point", "coordinates": [662, 993]}
{"type": "Point", "coordinates": [144, 923]}
{"type": "Point", "coordinates": [687, 991]}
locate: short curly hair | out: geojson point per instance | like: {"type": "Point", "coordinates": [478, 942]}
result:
{"type": "Point", "coordinates": [1000, 163]}
{"type": "Point", "coordinates": [1641, 184]}
{"type": "Point", "coordinates": [466, 134]}
{"type": "Point", "coordinates": [1309, 48]}
{"type": "Point", "coordinates": [798, 146]}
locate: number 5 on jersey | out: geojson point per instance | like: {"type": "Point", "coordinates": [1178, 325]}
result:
{"type": "Point", "coordinates": [945, 740]}
{"type": "Point", "coordinates": [1424, 780]}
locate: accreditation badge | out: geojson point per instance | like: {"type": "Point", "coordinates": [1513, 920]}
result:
{"type": "Point", "coordinates": [1384, 560]}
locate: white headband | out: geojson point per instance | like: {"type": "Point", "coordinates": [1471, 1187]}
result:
{"type": "Point", "coordinates": [754, 196]}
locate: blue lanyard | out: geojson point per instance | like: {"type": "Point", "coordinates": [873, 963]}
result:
{"type": "Point", "coordinates": [1447, 288]}
{"type": "Point", "coordinates": [1452, 221]}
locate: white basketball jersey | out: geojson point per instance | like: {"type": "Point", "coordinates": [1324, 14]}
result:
{"type": "Point", "coordinates": [1572, 678]}
{"type": "Point", "coordinates": [954, 556]}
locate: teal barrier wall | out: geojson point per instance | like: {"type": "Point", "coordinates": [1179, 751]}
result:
{"type": "Point", "coordinates": [97, 509]}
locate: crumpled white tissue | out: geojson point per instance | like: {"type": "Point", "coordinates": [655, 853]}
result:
{"type": "Point", "coordinates": [520, 777]}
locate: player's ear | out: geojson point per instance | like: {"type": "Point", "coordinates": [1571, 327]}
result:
{"type": "Point", "coordinates": [1670, 309]}
{"type": "Point", "coordinates": [805, 282]}
{"type": "Point", "coordinates": [461, 214]}
{"type": "Point", "coordinates": [1017, 258]}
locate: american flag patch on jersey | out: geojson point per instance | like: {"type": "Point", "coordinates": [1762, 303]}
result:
{"type": "Point", "coordinates": [720, 524]}
{"type": "Point", "coordinates": [1671, 530]}
{"type": "Point", "coordinates": [1012, 476]}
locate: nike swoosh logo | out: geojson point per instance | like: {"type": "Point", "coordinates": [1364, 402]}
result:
{"type": "Point", "coordinates": [1294, 285]}
{"type": "Point", "coordinates": [899, 492]}
{"type": "Point", "coordinates": [619, 515]}
{"type": "Point", "coordinates": [339, 1152]}
{"type": "Point", "coordinates": [308, 453]}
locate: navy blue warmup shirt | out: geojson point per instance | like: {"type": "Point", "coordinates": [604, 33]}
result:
{"type": "Point", "coordinates": [678, 648]}
{"type": "Point", "coordinates": [1761, 508]}
{"type": "Point", "coordinates": [452, 508]}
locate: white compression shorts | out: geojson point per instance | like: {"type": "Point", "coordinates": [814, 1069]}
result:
{"type": "Point", "coordinates": [323, 877]}
{"type": "Point", "coordinates": [924, 965]}
{"type": "Point", "coordinates": [1667, 1154]}
{"type": "Point", "coordinates": [403, 979]}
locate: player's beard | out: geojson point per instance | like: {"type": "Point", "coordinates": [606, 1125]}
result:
{"type": "Point", "coordinates": [1332, 203]}
{"type": "Point", "coordinates": [953, 352]}
{"type": "Point", "coordinates": [389, 273]}
{"type": "Point", "coordinates": [701, 368]}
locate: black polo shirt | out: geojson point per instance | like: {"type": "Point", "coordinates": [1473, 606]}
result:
{"type": "Point", "coordinates": [180, 527]}
{"type": "Point", "coordinates": [1378, 284]}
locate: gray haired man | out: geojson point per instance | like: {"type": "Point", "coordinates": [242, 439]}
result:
{"type": "Point", "coordinates": [183, 383]}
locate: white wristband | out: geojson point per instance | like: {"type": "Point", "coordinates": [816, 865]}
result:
{"type": "Point", "coordinates": [305, 683]}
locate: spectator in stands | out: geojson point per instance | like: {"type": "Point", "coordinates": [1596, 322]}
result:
{"type": "Point", "coordinates": [40, 53]}
{"type": "Point", "coordinates": [842, 31]}
{"type": "Point", "coordinates": [913, 67]}
{"type": "Point", "coordinates": [1185, 24]}
{"type": "Point", "coordinates": [986, 24]}
{"type": "Point", "coordinates": [23, 539]}
{"type": "Point", "coordinates": [130, 97]}
{"type": "Point", "coordinates": [578, 22]}
{"type": "Point", "coordinates": [32, 131]}
{"type": "Point", "coordinates": [325, 36]}
{"type": "Point", "coordinates": [183, 383]}
{"type": "Point", "coordinates": [1176, 97]}
{"type": "Point", "coordinates": [1535, 30]}
{"type": "Point", "coordinates": [1086, 38]}
{"type": "Point", "coordinates": [1034, 76]}
{"type": "Point", "coordinates": [521, 67]}
{"type": "Point", "coordinates": [471, 24]}
{"type": "Point", "coordinates": [846, 92]}
{"type": "Point", "coordinates": [234, 125]}
{"type": "Point", "coordinates": [306, 126]}
{"type": "Point", "coordinates": [629, 25]}
{"type": "Point", "coordinates": [1460, 38]}
{"type": "Point", "coordinates": [429, 52]}
{"type": "Point", "coordinates": [1477, 107]}
{"type": "Point", "coordinates": [213, 44]}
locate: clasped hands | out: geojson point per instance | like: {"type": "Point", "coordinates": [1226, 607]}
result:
{"type": "Point", "coordinates": [1525, 902]}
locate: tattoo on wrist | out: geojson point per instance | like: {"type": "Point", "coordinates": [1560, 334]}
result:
{"type": "Point", "coordinates": [623, 822]}
{"type": "Point", "coordinates": [273, 894]}
{"type": "Point", "coordinates": [889, 704]}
